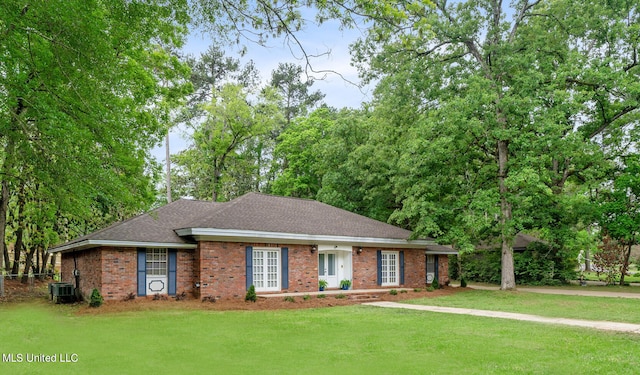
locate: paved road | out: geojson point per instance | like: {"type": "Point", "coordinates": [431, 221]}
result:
{"type": "Point", "coordinates": [595, 324]}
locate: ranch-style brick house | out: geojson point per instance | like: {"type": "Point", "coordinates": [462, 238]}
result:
{"type": "Point", "coordinates": [218, 250]}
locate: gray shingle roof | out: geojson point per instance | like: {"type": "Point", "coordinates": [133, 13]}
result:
{"type": "Point", "coordinates": [250, 212]}
{"type": "Point", "coordinates": [268, 213]}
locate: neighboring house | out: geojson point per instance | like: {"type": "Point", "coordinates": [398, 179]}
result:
{"type": "Point", "coordinates": [520, 243]}
{"type": "Point", "coordinates": [277, 244]}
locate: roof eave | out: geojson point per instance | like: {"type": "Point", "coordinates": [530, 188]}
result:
{"type": "Point", "coordinates": [236, 235]}
{"type": "Point", "coordinates": [88, 244]}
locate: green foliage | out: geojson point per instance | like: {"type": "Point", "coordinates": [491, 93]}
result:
{"type": "Point", "coordinates": [393, 292]}
{"type": "Point", "coordinates": [538, 265]}
{"type": "Point", "coordinates": [251, 294]}
{"type": "Point", "coordinates": [306, 297]}
{"type": "Point", "coordinates": [289, 299]}
{"type": "Point", "coordinates": [96, 298]}
{"type": "Point", "coordinates": [340, 296]}
{"type": "Point", "coordinates": [321, 296]}
{"type": "Point", "coordinates": [435, 284]}
{"type": "Point", "coordinates": [463, 282]}
{"type": "Point", "coordinates": [322, 284]}
{"type": "Point", "coordinates": [345, 284]}
{"type": "Point", "coordinates": [233, 126]}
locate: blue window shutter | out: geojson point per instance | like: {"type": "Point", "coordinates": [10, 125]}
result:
{"type": "Point", "coordinates": [379, 260]}
{"type": "Point", "coordinates": [402, 268]}
{"type": "Point", "coordinates": [435, 265]}
{"type": "Point", "coordinates": [285, 267]}
{"type": "Point", "coordinates": [142, 272]}
{"type": "Point", "coordinates": [173, 265]}
{"type": "Point", "coordinates": [249, 261]}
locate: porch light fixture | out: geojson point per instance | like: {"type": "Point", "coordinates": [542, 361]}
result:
{"type": "Point", "coordinates": [359, 249]}
{"type": "Point", "coordinates": [313, 249]}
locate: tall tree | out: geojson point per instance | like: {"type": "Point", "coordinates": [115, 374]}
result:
{"type": "Point", "coordinates": [619, 210]}
{"type": "Point", "coordinates": [507, 120]}
{"type": "Point", "coordinates": [296, 98]}
{"type": "Point", "coordinates": [76, 90]}
{"type": "Point", "coordinates": [231, 121]}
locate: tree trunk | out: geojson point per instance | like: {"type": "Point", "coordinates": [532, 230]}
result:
{"type": "Point", "coordinates": [27, 265]}
{"type": "Point", "coordinates": [625, 264]}
{"type": "Point", "coordinates": [216, 181]}
{"type": "Point", "coordinates": [43, 268]}
{"type": "Point", "coordinates": [17, 251]}
{"type": "Point", "coordinates": [4, 202]}
{"type": "Point", "coordinates": [168, 176]}
{"type": "Point", "coordinates": [52, 263]}
{"type": "Point", "coordinates": [508, 278]}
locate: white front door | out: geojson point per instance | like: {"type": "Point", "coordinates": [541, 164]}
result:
{"type": "Point", "coordinates": [327, 268]}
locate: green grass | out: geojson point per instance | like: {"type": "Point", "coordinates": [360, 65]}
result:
{"type": "Point", "coordinates": [349, 340]}
{"type": "Point", "coordinates": [593, 276]}
{"type": "Point", "coordinates": [576, 307]}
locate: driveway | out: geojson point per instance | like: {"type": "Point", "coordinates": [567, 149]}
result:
{"type": "Point", "coordinates": [595, 324]}
{"type": "Point", "coordinates": [567, 292]}
{"type": "Point", "coordinates": [601, 325]}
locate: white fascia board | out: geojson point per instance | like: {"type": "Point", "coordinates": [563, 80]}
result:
{"type": "Point", "coordinates": [87, 244]}
{"type": "Point", "coordinates": [236, 235]}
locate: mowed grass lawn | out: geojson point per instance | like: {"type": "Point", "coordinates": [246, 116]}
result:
{"type": "Point", "coordinates": [346, 340]}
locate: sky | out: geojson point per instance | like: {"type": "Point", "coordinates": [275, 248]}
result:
{"type": "Point", "coordinates": [340, 90]}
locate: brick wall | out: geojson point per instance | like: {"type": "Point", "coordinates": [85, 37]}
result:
{"type": "Point", "coordinates": [222, 268]}
{"type": "Point", "coordinates": [89, 263]}
{"type": "Point", "coordinates": [303, 269]}
{"type": "Point", "coordinates": [365, 268]}
{"type": "Point", "coordinates": [113, 270]}
{"type": "Point", "coordinates": [119, 266]}
{"type": "Point", "coordinates": [443, 270]}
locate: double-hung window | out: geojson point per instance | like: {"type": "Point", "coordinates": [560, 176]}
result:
{"type": "Point", "coordinates": [156, 262]}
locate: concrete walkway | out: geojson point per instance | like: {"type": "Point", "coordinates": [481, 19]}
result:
{"type": "Point", "coordinates": [601, 325]}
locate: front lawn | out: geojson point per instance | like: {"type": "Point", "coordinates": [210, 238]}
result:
{"type": "Point", "coordinates": [576, 307]}
{"type": "Point", "coordinates": [348, 339]}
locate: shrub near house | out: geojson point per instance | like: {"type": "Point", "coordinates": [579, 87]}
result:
{"type": "Point", "coordinates": [537, 264]}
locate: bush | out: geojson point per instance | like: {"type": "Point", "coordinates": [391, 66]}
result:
{"type": "Point", "coordinates": [393, 292]}
{"type": "Point", "coordinates": [538, 265]}
{"type": "Point", "coordinates": [306, 297]}
{"type": "Point", "coordinates": [434, 284]}
{"type": "Point", "coordinates": [341, 296]}
{"type": "Point", "coordinates": [289, 299]}
{"type": "Point", "coordinates": [463, 283]}
{"type": "Point", "coordinates": [251, 294]}
{"type": "Point", "coordinates": [96, 298]}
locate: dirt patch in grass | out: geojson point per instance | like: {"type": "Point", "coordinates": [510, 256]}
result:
{"type": "Point", "coordinates": [16, 292]}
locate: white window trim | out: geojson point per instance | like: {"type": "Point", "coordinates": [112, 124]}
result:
{"type": "Point", "coordinates": [396, 282]}
{"type": "Point", "coordinates": [276, 288]}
